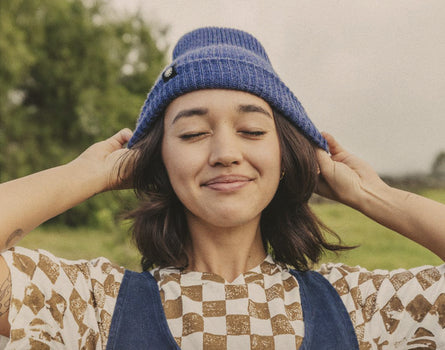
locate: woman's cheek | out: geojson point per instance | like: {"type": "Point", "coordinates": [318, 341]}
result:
{"type": "Point", "coordinates": [183, 167]}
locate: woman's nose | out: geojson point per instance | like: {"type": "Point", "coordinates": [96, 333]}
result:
{"type": "Point", "coordinates": [225, 150]}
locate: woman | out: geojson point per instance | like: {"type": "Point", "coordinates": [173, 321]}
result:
{"type": "Point", "coordinates": [224, 160]}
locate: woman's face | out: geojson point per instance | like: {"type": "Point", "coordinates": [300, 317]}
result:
{"type": "Point", "coordinates": [222, 155]}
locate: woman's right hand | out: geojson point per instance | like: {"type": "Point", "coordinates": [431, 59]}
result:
{"type": "Point", "coordinates": [29, 201]}
{"type": "Point", "coordinates": [109, 160]}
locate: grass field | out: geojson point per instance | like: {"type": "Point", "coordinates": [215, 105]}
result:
{"type": "Point", "coordinates": [379, 248]}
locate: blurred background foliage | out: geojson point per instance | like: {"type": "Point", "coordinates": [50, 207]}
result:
{"type": "Point", "coordinates": [72, 72]}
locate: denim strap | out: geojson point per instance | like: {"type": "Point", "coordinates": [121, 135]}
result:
{"type": "Point", "coordinates": [139, 322]}
{"type": "Point", "coordinates": [327, 324]}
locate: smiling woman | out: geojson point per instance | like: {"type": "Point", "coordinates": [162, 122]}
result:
{"type": "Point", "coordinates": [222, 173]}
{"type": "Point", "coordinates": [226, 172]}
{"type": "Point", "coordinates": [224, 161]}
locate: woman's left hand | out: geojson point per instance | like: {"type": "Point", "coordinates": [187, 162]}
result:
{"type": "Point", "coordinates": [345, 177]}
{"type": "Point", "coordinates": [350, 180]}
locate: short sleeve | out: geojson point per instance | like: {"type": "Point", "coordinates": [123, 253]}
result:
{"type": "Point", "coordinates": [58, 303]}
{"type": "Point", "coordinates": [401, 309]}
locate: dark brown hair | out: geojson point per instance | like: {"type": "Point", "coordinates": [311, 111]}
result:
{"type": "Point", "coordinates": [290, 231]}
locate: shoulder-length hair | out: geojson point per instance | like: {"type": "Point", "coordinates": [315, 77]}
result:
{"type": "Point", "coordinates": [289, 229]}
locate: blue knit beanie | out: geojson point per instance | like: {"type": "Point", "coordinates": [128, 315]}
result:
{"type": "Point", "coordinates": [222, 58]}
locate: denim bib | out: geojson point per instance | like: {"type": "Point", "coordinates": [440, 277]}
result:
{"type": "Point", "coordinates": [139, 322]}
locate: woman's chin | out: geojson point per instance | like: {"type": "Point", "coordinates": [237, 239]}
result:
{"type": "Point", "coordinates": [226, 219]}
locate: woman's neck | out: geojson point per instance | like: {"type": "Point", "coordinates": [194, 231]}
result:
{"type": "Point", "coordinates": [225, 251]}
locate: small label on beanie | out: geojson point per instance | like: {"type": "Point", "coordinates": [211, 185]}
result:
{"type": "Point", "coordinates": [169, 73]}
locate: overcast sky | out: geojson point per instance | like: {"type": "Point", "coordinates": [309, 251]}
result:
{"type": "Point", "coordinates": [372, 73]}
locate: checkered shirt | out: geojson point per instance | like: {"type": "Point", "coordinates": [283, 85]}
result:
{"type": "Point", "coordinates": [63, 304]}
{"type": "Point", "coordinates": [260, 309]}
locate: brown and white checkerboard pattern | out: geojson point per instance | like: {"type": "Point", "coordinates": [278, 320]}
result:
{"type": "Point", "coordinates": [259, 310]}
{"type": "Point", "coordinates": [401, 309]}
{"type": "Point", "coordinates": [58, 303]}
{"type": "Point", "coordinates": [62, 304]}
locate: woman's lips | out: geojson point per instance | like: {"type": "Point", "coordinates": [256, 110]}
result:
{"type": "Point", "coordinates": [227, 183]}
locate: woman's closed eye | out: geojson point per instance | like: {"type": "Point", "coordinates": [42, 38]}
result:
{"type": "Point", "coordinates": [250, 133]}
{"type": "Point", "coordinates": [196, 135]}
{"type": "Point", "coordinates": [192, 135]}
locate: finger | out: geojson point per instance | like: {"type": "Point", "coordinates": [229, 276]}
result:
{"type": "Point", "coordinates": [334, 146]}
{"type": "Point", "coordinates": [325, 162]}
{"type": "Point", "coordinates": [121, 137]}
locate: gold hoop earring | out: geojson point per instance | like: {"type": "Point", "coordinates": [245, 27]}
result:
{"type": "Point", "coordinates": [282, 175]}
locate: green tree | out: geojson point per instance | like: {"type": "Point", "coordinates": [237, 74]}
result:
{"type": "Point", "coordinates": [70, 75]}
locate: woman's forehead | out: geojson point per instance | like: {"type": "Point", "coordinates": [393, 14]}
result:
{"type": "Point", "coordinates": [215, 99]}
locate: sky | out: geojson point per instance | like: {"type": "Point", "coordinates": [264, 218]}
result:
{"type": "Point", "coordinates": [371, 73]}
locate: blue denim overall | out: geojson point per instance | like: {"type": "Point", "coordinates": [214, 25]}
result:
{"type": "Point", "coordinates": [139, 321]}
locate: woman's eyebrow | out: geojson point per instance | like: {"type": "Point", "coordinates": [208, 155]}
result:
{"type": "Point", "coordinates": [253, 108]}
{"type": "Point", "coordinates": [189, 113]}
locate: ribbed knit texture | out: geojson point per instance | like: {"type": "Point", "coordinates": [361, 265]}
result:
{"type": "Point", "coordinates": [223, 58]}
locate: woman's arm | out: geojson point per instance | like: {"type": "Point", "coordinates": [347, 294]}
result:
{"type": "Point", "coordinates": [349, 180]}
{"type": "Point", "coordinates": [27, 202]}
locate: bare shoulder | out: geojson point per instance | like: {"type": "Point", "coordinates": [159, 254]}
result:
{"type": "Point", "coordinates": [5, 297]}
